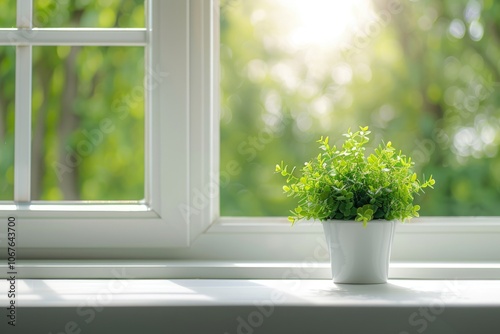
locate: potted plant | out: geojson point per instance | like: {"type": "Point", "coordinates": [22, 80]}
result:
{"type": "Point", "coordinates": [358, 199]}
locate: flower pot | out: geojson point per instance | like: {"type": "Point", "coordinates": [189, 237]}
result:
{"type": "Point", "coordinates": [359, 255]}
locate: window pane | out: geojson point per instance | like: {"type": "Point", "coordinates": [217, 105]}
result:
{"type": "Point", "coordinates": [7, 98]}
{"type": "Point", "coordinates": [421, 74]}
{"type": "Point", "coordinates": [89, 14]}
{"type": "Point", "coordinates": [8, 14]}
{"type": "Point", "coordinates": [88, 123]}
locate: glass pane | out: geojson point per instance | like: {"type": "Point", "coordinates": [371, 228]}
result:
{"type": "Point", "coordinates": [88, 123]}
{"type": "Point", "coordinates": [421, 74]}
{"type": "Point", "coordinates": [8, 14]}
{"type": "Point", "coordinates": [7, 98]}
{"type": "Point", "coordinates": [89, 14]}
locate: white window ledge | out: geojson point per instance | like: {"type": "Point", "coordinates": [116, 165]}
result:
{"type": "Point", "coordinates": [307, 269]}
{"type": "Point", "coordinates": [254, 306]}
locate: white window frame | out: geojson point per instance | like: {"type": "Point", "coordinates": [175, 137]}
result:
{"type": "Point", "coordinates": [180, 218]}
{"type": "Point", "coordinates": [153, 222]}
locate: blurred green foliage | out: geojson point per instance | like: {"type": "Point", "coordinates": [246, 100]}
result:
{"type": "Point", "coordinates": [89, 13]}
{"type": "Point", "coordinates": [423, 75]}
{"type": "Point", "coordinates": [88, 123]}
{"type": "Point", "coordinates": [7, 73]}
{"type": "Point", "coordinates": [7, 14]}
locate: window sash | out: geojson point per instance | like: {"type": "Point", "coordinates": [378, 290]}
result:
{"type": "Point", "coordinates": [153, 222]}
{"type": "Point", "coordinates": [23, 38]}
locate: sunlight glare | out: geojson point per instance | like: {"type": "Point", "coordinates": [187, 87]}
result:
{"type": "Point", "coordinates": [326, 23]}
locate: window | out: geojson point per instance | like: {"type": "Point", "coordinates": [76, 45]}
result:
{"type": "Point", "coordinates": [179, 218]}
{"type": "Point", "coordinates": [294, 70]}
{"type": "Point", "coordinates": [118, 60]}
{"type": "Point", "coordinates": [282, 86]}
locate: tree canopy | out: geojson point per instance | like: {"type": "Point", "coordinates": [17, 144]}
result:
{"type": "Point", "coordinates": [422, 74]}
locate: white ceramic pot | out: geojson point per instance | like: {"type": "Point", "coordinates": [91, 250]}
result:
{"type": "Point", "coordinates": [359, 255]}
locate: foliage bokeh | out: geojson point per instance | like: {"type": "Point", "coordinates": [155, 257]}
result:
{"type": "Point", "coordinates": [423, 75]}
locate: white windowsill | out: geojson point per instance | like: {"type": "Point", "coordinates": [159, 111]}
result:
{"type": "Point", "coordinates": [211, 292]}
{"type": "Point", "coordinates": [152, 269]}
{"type": "Point", "coordinates": [266, 306]}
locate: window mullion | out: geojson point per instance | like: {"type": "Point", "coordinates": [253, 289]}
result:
{"type": "Point", "coordinates": [24, 16]}
{"type": "Point", "coordinates": [74, 36]}
{"type": "Point", "coordinates": [22, 186]}
{"type": "Point", "coordinates": [22, 180]}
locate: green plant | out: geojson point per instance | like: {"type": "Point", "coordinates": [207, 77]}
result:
{"type": "Point", "coordinates": [345, 184]}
